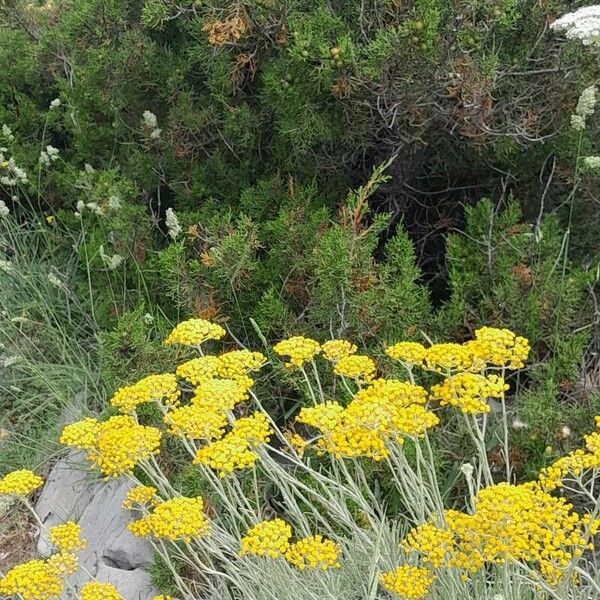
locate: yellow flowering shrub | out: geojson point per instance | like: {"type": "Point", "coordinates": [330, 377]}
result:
{"type": "Point", "coordinates": [175, 519]}
{"type": "Point", "coordinates": [410, 353]}
{"type": "Point", "coordinates": [198, 370]}
{"type": "Point", "coordinates": [227, 455]}
{"type": "Point", "coordinates": [20, 483]}
{"type": "Point", "coordinates": [220, 393]}
{"type": "Point", "coordinates": [408, 582]}
{"type": "Point", "coordinates": [194, 332]}
{"type": "Point", "coordinates": [197, 421]}
{"type": "Point", "coordinates": [94, 590]}
{"type": "Point", "coordinates": [67, 537]}
{"type": "Point", "coordinates": [237, 363]}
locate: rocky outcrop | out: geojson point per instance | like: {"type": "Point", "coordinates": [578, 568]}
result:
{"type": "Point", "coordinates": [113, 554]}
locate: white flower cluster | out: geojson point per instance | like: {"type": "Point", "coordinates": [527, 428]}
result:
{"type": "Point", "coordinates": [7, 132]}
{"type": "Point", "coordinates": [582, 24]}
{"type": "Point", "coordinates": [585, 107]}
{"type": "Point", "coordinates": [4, 210]}
{"type": "Point", "coordinates": [55, 103]}
{"type": "Point", "coordinates": [591, 163]}
{"type": "Point", "coordinates": [173, 226]}
{"type": "Point", "coordinates": [50, 154]}
{"type": "Point", "coordinates": [54, 280]}
{"type": "Point", "coordinates": [150, 123]}
{"type": "Point", "coordinates": [111, 262]}
{"type": "Point", "coordinates": [6, 266]}
{"type": "Point", "coordinates": [14, 174]}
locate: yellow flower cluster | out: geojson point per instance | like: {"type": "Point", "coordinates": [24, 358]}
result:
{"type": "Point", "coordinates": [408, 582]}
{"type": "Point", "coordinates": [574, 463]}
{"type": "Point", "coordinates": [226, 455]}
{"type": "Point", "coordinates": [410, 353]}
{"type": "Point", "coordinates": [197, 421]}
{"type": "Point", "coordinates": [67, 537]}
{"type": "Point", "coordinates": [386, 409]}
{"type": "Point", "coordinates": [38, 579]}
{"type": "Point", "coordinates": [273, 539]}
{"type": "Point", "coordinates": [334, 350]}
{"type": "Point", "coordinates": [356, 366]}
{"type": "Point", "coordinates": [254, 429]}
{"type": "Point", "coordinates": [313, 552]}
{"type": "Point", "coordinates": [94, 590]}
{"type": "Point", "coordinates": [175, 519]}
{"type": "Point", "coordinates": [198, 370]}
{"type": "Point", "coordinates": [152, 388]}
{"type": "Point", "coordinates": [500, 347]}
{"type": "Point", "coordinates": [162, 597]}
{"type": "Point", "coordinates": [469, 391]}
{"type": "Point", "coordinates": [237, 363]}
{"type": "Point", "coordinates": [299, 349]}
{"type": "Point", "coordinates": [114, 445]}
{"type": "Point", "coordinates": [268, 538]}
{"type": "Point", "coordinates": [20, 483]}
{"type": "Point", "coordinates": [510, 522]}
{"type": "Point", "coordinates": [194, 332]}
{"type": "Point", "coordinates": [140, 495]}
{"type": "Point", "coordinates": [222, 394]}
{"type": "Point", "coordinates": [449, 357]}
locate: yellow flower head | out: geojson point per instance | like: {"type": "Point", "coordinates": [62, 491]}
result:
{"type": "Point", "coordinates": [255, 429]}
{"type": "Point", "coordinates": [299, 349]}
{"type": "Point", "coordinates": [197, 421]}
{"type": "Point", "coordinates": [323, 416]}
{"type": "Point", "coordinates": [222, 394]}
{"type": "Point", "coordinates": [500, 347]}
{"type": "Point", "coordinates": [67, 537]}
{"type": "Point", "coordinates": [449, 357]}
{"type": "Point", "coordinates": [175, 519]}
{"type": "Point", "coordinates": [333, 350]}
{"type": "Point", "coordinates": [410, 353]}
{"type": "Point", "coordinates": [154, 388]}
{"type": "Point", "coordinates": [226, 455]}
{"type": "Point", "coordinates": [269, 538]}
{"type": "Point", "coordinates": [162, 597]}
{"type": "Point", "coordinates": [198, 370]}
{"type": "Point", "coordinates": [194, 332]}
{"type": "Point", "coordinates": [82, 435]}
{"type": "Point", "coordinates": [94, 590]}
{"type": "Point", "coordinates": [408, 582]}
{"type": "Point", "coordinates": [63, 563]}
{"type": "Point", "coordinates": [392, 392]}
{"type": "Point", "coordinates": [141, 495]}
{"type": "Point", "coordinates": [469, 392]}
{"type": "Point", "coordinates": [120, 442]}
{"type": "Point", "coordinates": [33, 580]}
{"type": "Point", "coordinates": [355, 366]}
{"type": "Point", "coordinates": [237, 363]}
{"type": "Point", "coordinates": [20, 483]}
{"type": "Point", "coordinates": [314, 552]}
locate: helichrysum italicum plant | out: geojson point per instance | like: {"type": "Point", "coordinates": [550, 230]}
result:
{"type": "Point", "coordinates": [332, 535]}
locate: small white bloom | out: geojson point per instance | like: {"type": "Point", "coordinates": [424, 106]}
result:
{"type": "Point", "coordinates": [114, 203]}
{"type": "Point", "coordinates": [95, 208]}
{"type": "Point", "coordinates": [577, 122]}
{"type": "Point", "coordinates": [55, 103]}
{"type": "Point", "coordinates": [44, 159]}
{"type": "Point", "coordinates": [4, 210]}
{"type": "Point", "coordinates": [54, 280]}
{"type": "Point", "coordinates": [582, 24]}
{"type": "Point", "coordinates": [155, 133]}
{"type": "Point", "coordinates": [89, 169]}
{"type": "Point", "coordinates": [518, 425]}
{"type": "Point", "coordinates": [80, 206]}
{"type": "Point", "coordinates": [149, 119]}
{"type": "Point", "coordinates": [173, 226]}
{"type": "Point", "coordinates": [52, 152]}
{"type": "Point", "coordinates": [467, 469]}
{"type": "Point", "coordinates": [111, 262]}
{"type": "Point", "coordinates": [148, 319]}
{"type": "Point", "coordinates": [7, 132]}
{"type": "Point", "coordinates": [6, 266]}
{"type": "Point", "coordinates": [565, 432]}
{"type": "Point", "coordinates": [591, 163]}
{"type": "Point", "coordinates": [77, 215]}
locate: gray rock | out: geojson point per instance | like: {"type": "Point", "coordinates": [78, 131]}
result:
{"type": "Point", "coordinates": [113, 554]}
